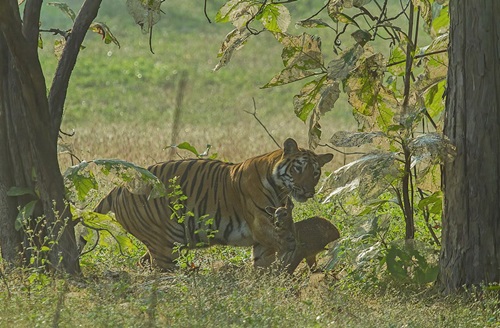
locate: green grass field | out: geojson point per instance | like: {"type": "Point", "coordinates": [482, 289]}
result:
{"type": "Point", "coordinates": [121, 104]}
{"type": "Point", "coordinates": [130, 94]}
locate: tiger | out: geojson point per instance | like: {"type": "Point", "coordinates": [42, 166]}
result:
{"type": "Point", "coordinates": [311, 235]}
{"type": "Point", "coordinates": [224, 203]}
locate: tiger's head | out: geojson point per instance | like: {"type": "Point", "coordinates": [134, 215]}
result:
{"type": "Point", "coordinates": [299, 170]}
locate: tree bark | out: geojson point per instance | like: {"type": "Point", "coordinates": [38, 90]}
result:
{"type": "Point", "coordinates": [471, 223]}
{"type": "Point", "coordinates": [31, 154]}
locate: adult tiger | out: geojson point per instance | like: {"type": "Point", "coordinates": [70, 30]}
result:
{"type": "Point", "coordinates": [225, 203]}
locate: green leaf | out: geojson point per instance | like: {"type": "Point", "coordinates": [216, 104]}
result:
{"type": "Point", "coordinates": [305, 102]}
{"type": "Point", "coordinates": [397, 62]}
{"type": "Point", "coordinates": [397, 261]}
{"type": "Point", "coordinates": [238, 12]}
{"type": "Point", "coordinates": [343, 18]}
{"type": "Point", "coordinates": [187, 146]}
{"type": "Point", "coordinates": [20, 191]}
{"type": "Point", "coordinates": [440, 19]}
{"type": "Point", "coordinates": [23, 215]}
{"type": "Point", "coordinates": [40, 41]}
{"type": "Point", "coordinates": [136, 179]}
{"type": "Point", "coordinates": [312, 23]}
{"type": "Point", "coordinates": [434, 203]}
{"type": "Point", "coordinates": [106, 224]}
{"type": "Point", "coordinates": [104, 31]}
{"type": "Point", "coordinates": [64, 8]}
{"type": "Point", "coordinates": [434, 99]}
{"type": "Point", "coordinates": [84, 184]}
{"type": "Point", "coordinates": [275, 17]}
{"type": "Point", "coordinates": [59, 45]}
{"type": "Point", "coordinates": [301, 56]}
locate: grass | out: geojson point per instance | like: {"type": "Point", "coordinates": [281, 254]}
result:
{"type": "Point", "coordinates": [120, 104]}
{"type": "Point", "coordinates": [231, 297]}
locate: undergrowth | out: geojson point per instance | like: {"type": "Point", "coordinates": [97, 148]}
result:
{"type": "Point", "coordinates": [231, 296]}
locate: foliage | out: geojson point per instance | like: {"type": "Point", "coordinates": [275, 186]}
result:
{"type": "Point", "coordinates": [97, 27]}
{"type": "Point", "coordinates": [393, 94]}
{"type": "Point", "coordinates": [81, 180]}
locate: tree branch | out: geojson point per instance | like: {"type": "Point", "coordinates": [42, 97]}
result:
{"type": "Point", "coordinates": [31, 21]}
{"type": "Point", "coordinates": [24, 57]}
{"type": "Point", "coordinates": [254, 114]}
{"type": "Point", "coordinates": [59, 88]}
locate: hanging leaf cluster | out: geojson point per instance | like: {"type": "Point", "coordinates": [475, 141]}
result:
{"type": "Point", "coordinates": [81, 179]}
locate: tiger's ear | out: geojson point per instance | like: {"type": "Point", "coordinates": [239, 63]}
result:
{"type": "Point", "coordinates": [289, 204]}
{"type": "Point", "coordinates": [290, 146]}
{"type": "Point", "coordinates": [324, 158]}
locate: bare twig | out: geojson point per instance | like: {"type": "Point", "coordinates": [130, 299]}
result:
{"type": "Point", "coordinates": [177, 112]}
{"type": "Point", "coordinates": [419, 56]}
{"type": "Point", "coordinates": [56, 31]}
{"type": "Point", "coordinates": [342, 152]}
{"type": "Point", "coordinates": [205, 11]}
{"type": "Point", "coordinates": [254, 114]}
{"type": "Point", "coordinates": [426, 219]}
{"type": "Point", "coordinates": [317, 13]}
{"type": "Point", "coordinates": [151, 40]}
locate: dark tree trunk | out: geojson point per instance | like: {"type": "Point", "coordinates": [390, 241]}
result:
{"type": "Point", "coordinates": [29, 125]}
{"type": "Point", "coordinates": [471, 224]}
{"type": "Point", "coordinates": [10, 239]}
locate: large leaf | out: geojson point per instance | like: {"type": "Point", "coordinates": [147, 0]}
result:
{"type": "Point", "coordinates": [64, 8]}
{"type": "Point", "coordinates": [370, 175]}
{"type": "Point", "coordinates": [20, 191]}
{"type": "Point", "coordinates": [24, 213]}
{"type": "Point", "coordinates": [312, 23]}
{"type": "Point", "coordinates": [353, 139]}
{"type": "Point", "coordinates": [146, 13]}
{"type": "Point", "coordinates": [275, 17]}
{"type": "Point", "coordinates": [339, 69]}
{"type": "Point", "coordinates": [374, 104]}
{"type": "Point", "coordinates": [301, 56]}
{"type": "Point", "coordinates": [319, 95]}
{"type": "Point", "coordinates": [104, 31]}
{"type": "Point", "coordinates": [434, 203]}
{"type": "Point", "coordinates": [136, 179]}
{"type": "Point", "coordinates": [440, 19]}
{"type": "Point", "coordinates": [432, 148]}
{"type": "Point", "coordinates": [329, 93]}
{"type": "Point", "coordinates": [109, 229]}
{"type": "Point", "coordinates": [234, 40]}
{"type": "Point", "coordinates": [238, 12]}
{"type": "Point", "coordinates": [425, 10]}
